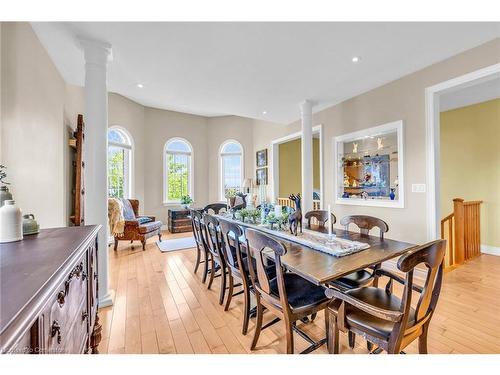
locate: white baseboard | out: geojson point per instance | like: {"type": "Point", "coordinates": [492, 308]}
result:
{"type": "Point", "coordinates": [492, 250]}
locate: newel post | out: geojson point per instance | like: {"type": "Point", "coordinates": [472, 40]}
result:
{"type": "Point", "coordinates": [458, 213]}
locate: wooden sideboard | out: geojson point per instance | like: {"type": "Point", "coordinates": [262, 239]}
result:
{"type": "Point", "coordinates": [179, 221]}
{"type": "Point", "coordinates": [49, 292]}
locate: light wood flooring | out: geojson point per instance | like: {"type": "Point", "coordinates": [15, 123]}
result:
{"type": "Point", "coordinates": [161, 306]}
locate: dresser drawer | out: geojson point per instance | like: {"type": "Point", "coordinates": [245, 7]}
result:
{"type": "Point", "coordinates": [65, 308]}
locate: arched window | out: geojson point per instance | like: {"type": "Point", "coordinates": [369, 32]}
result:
{"type": "Point", "coordinates": [231, 167]}
{"type": "Point", "coordinates": [119, 163]}
{"type": "Point", "coordinates": [178, 170]}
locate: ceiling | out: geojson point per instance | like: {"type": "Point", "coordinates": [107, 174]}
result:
{"type": "Point", "coordinates": [257, 70]}
{"type": "Point", "coordinates": [473, 94]}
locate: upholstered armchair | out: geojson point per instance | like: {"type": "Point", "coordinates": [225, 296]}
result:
{"type": "Point", "coordinates": [137, 228]}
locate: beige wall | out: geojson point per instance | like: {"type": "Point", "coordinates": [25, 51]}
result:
{"type": "Point", "coordinates": [403, 99]}
{"type": "Point", "coordinates": [32, 132]}
{"type": "Point", "coordinates": [470, 163]}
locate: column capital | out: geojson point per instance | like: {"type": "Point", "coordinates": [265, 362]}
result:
{"type": "Point", "coordinates": [306, 106]}
{"type": "Point", "coordinates": [96, 51]}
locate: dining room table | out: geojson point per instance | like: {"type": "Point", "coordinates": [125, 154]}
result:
{"type": "Point", "coordinates": [321, 267]}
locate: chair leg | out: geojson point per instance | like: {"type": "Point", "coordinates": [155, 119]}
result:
{"type": "Point", "coordinates": [205, 268]}
{"type": "Point", "coordinates": [313, 316]}
{"type": "Point", "coordinates": [369, 346]}
{"type": "Point", "coordinates": [131, 241]}
{"type": "Point", "coordinates": [352, 339]}
{"type": "Point", "coordinates": [246, 310]}
{"type": "Point", "coordinates": [159, 235]}
{"type": "Point", "coordinates": [212, 273]}
{"type": "Point", "coordinates": [143, 245]}
{"type": "Point", "coordinates": [335, 338]}
{"type": "Point", "coordinates": [422, 340]}
{"type": "Point", "coordinates": [116, 244]}
{"type": "Point", "coordinates": [230, 291]}
{"type": "Point", "coordinates": [222, 291]}
{"type": "Point", "coordinates": [289, 338]}
{"type": "Point", "coordinates": [258, 323]}
{"type": "Point", "coordinates": [198, 258]}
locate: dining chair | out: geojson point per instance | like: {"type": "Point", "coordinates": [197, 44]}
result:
{"type": "Point", "coordinates": [321, 216]}
{"type": "Point", "coordinates": [213, 240]}
{"type": "Point", "coordinates": [201, 247]}
{"type": "Point", "coordinates": [288, 296]}
{"type": "Point", "coordinates": [215, 207]}
{"type": "Point", "coordinates": [381, 317]}
{"type": "Point", "coordinates": [237, 263]}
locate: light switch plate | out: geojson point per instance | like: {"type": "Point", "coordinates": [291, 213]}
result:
{"type": "Point", "coordinates": [418, 188]}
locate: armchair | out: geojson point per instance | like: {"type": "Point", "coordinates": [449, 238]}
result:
{"type": "Point", "coordinates": [137, 228]}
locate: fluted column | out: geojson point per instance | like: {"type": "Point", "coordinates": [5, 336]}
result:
{"type": "Point", "coordinates": [97, 54]}
{"type": "Point", "coordinates": [307, 155]}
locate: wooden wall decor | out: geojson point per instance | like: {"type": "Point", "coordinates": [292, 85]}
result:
{"type": "Point", "coordinates": [77, 143]}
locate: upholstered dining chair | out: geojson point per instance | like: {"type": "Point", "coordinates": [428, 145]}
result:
{"type": "Point", "coordinates": [321, 216]}
{"type": "Point", "coordinates": [288, 296]}
{"type": "Point", "coordinates": [213, 239]}
{"type": "Point", "coordinates": [201, 246]}
{"type": "Point", "coordinates": [381, 317]}
{"type": "Point", "coordinates": [215, 208]}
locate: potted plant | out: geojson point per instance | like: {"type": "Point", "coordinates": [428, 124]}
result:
{"type": "Point", "coordinates": [243, 214]}
{"type": "Point", "coordinates": [254, 215]}
{"type": "Point", "coordinates": [4, 191]}
{"type": "Point", "coordinates": [231, 197]}
{"type": "Point", "coordinates": [186, 201]}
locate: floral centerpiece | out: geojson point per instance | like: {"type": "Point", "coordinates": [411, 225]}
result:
{"type": "Point", "coordinates": [230, 195]}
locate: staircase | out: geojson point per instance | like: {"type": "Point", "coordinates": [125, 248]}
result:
{"type": "Point", "coordinates": [462, 230]}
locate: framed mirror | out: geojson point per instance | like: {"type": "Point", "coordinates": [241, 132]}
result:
{"type": "Point", "coordinates": [369, 167]}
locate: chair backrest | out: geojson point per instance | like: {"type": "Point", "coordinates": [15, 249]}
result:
{"type": "Point", "coordinates": [365, 223]}
{"type": "Point", "coordinates": [321, 216]}
{"type": "Point", "coordinates": [431, 255]}
{"type": "Point", "coordinates": [257, 244]}
{"type": "Point", "coordinates": [212, 235]}
{"type": "Point", "coordinates": [215, 207]}
{"type": "Point", "coordinates": [231, 233]}
{"type": "Point", "coordinates": [196, 219]}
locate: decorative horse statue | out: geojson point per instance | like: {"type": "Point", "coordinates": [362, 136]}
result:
{"type": "Point", "coordinates": [295, 219]}
{"type": "Point", "coordinates": [240, 206]}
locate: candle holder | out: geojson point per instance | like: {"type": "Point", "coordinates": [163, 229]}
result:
{"type": "Point", "coordinates": [330, 238]}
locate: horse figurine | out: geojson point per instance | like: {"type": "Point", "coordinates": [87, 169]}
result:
{"type": "Point", "coordinates": [295, 219]}
{"type": "Point", "coordinates": [241, 205]}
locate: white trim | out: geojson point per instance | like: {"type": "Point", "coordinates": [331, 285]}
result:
{"type": "Point", "coordinates": [131, 168]}
{"type": "Point", "coordinates": [242, 166]}
{"type": "Point", "coordinates": [432, 111]}
{"type": "Point", "coordinates": [491, 250]}
{"type": "Point", "coordinates": [274, 166]}
{"type": "Point", "coordinates": [391, 126]}
{"type": "Point", "coordinates": [191, 170]}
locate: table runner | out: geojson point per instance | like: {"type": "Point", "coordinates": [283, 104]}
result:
{"type": "Point", "coordinates": [339, 247]}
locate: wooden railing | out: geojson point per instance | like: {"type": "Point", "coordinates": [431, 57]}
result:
{"type": "Point", "coordinates": [462, 230]}
{"type": "Point", "coordinates": [289, 203]}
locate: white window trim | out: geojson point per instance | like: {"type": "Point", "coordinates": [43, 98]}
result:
{"type": "Point", "coordinates": [129, 193]}
{"type": "Point", "coordinates": [337, 148]}
{"type": "Point", "coordinates": [242, 165]}
{"type": "Point", "coordinates": [167, 202]}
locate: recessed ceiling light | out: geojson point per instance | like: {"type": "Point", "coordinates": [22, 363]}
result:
{"type": "Point", "coordinates": [355, 59]}
{"type": "Point", "coordinates": [264, 112]}
{"type": "Point", "coordinates": [140, 85]}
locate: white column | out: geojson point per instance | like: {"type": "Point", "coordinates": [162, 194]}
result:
{"type": "Point", "coordinates": [97, 54]}
{"type": "Point", "coordinates": [307, 156]}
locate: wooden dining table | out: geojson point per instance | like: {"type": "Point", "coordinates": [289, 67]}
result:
{"type": "Point", "coordinates": [321, 268]}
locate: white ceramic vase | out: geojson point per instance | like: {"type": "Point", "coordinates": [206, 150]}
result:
{"type": "Point", "coordinates": [11, 222]}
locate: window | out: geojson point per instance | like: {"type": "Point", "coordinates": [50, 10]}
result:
{"type": "Point", "coordinates": [178, 167]}
{"type": "Point", "coordinates": [231, 166]}
{"type": "Point", "coordinates": [119, 163]}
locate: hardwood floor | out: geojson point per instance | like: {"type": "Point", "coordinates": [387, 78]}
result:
{"type": "Point", "coordinates": [161, 306]}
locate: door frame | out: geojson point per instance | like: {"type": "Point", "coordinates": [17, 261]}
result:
{"type": "Point", "coordinates": [432, 111]}
{"type": "Point", "coordinates": [275, 173]}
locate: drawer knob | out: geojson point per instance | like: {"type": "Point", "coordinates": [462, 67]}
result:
{"type": "Point", "coordinates": [56, 330]}
{"type": "Point", "coordinates": [84, 276]}
{"type": "Point", "coordinates": [61, 297]}
{"type": "Point", "coordinates": [85, 315]}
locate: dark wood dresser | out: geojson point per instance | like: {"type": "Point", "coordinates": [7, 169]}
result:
{"type": "Point", "coordinates": [179, 221]}
{"type": "Point", "coordinates": [48, 292]}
